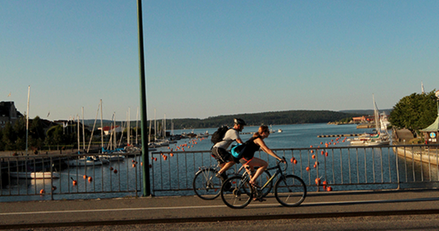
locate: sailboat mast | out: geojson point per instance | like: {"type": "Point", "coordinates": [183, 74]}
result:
{"type": "Point", "coordinates": [164, 127]}
{"type": "Point", "coordinates": [83, 128]}
{"type": "Point", "coordinates": [155, 127]}
{"type": "Point", "coordinates": [128, 128]}
{"type": "Point", "coordinates": [102, 128]}
{"type": "Point", "coordinates": [137, 123]}
{"type": "Point", "coordinates": [79, 143]}
{"type": "Point", "coordinates": [27, 119]}
{"type": "Point", "coordinates": [115, 133]}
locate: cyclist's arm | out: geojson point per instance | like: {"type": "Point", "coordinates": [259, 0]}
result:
{"type": "Point", "coordinates": [264, 148]}
{"type": "Point", "coordinates": [238, 140]}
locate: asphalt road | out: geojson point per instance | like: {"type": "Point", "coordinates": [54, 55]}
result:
{"type": "Point", "coordinates": [387, 210]}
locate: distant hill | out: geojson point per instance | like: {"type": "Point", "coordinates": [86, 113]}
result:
{"type": "Point", "coordinates": [366, 111]}
{"type": "Point", "coordinates": [254, 119]}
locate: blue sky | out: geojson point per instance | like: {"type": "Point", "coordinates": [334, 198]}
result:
{"type": "Point", "coordinates": [208, 58]}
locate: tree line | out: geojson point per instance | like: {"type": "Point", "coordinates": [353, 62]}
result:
{"type": "Point", "coordinates": [267, 118]}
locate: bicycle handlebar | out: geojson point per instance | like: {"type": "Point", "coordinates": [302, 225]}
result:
{"type": "Point", "coordinates": [286, 164]}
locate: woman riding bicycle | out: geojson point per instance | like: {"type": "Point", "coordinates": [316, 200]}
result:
{"type": "Point", "coordinates": [254, 144]}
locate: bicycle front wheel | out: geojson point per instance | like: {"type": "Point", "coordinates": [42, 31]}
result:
{"type": "Point", "coordinates": [290, 190]}
{"type": "Point", "coordinates": [236, 192]}
{"type": "Point", "coordinates": [206, 185]}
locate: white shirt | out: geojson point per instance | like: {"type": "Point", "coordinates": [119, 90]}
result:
{"type": "Point", "coordinates": [230, 136]}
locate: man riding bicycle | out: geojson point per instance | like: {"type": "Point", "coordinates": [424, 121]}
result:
{"type": "Point", "coordinates": [219, 150]}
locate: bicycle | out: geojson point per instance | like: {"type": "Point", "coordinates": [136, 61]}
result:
{"type": "Point", "coordinates": [289, 190]}
{"type": "Point", "coordinates": [207, 185]}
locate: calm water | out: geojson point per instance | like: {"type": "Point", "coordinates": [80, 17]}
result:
{"type": "Point", "coordinates": [292, 136]}
{"type": "Point", "coordinates": [184, 166]}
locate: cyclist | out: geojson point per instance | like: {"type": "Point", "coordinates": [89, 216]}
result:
{"type": "Point", "coordinates": [255, 143]}
{"type": "Point", "coordinates": [219, 150]}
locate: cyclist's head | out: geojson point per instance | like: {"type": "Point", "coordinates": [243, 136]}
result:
{"type": "Point", "coordinates": [263, 131]}
{"type": "Point", "coordinates": [239, 124]}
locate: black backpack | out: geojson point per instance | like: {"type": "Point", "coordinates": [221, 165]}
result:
{"type": "Point", "coordinates": [219, 134]}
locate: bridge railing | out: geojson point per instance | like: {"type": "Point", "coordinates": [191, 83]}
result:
{"type": "Point", "coordinates": [70, 176]}
{"type": "Point", "coordinates": [341, 168]}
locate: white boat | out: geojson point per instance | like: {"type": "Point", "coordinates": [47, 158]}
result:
{"type": "Point", "coordinates": [86, 161]}
{"type": "Point", "coordinates": [34, 175]}
{"type": "Point", "coordinates": [112, 155]}
{"type": "Point", "coordinates": [382, 137]}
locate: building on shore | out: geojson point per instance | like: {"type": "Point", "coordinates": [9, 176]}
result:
{"type": "Point", "coordinates": [8, 113]}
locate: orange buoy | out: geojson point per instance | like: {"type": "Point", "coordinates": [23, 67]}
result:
{"type": "Point", "coordinates": [326, 153]}
{"type": "Point", "coordinates": [141, 163]}
{"type": "Point", "coordinates": [310, 146]}
{"type": "Point", "coordinates": [328, 188]}
{"type": "Point", "coordinates": [75, 183]}
{"type": "Point", "coordinates": [307, 168]}
{"type": "Point", "coordinates": [312, 151]}
{"type": "Point", "coordinates": [317, 181]}
{"type": "Point", "coordinates": [172, 154]}
{"type": "Point", "coordinates": [90, 179]}
{"type": "Point", "coordinates": [115, 171]}
{"type": "Point", "coordinates": [85, 177]}
{"type": "Point", "coordinates": [323, 152]}
{"type": "Point", "coordinates": [53, 188]}
{"type": "Point", "coordinates": [313, 156]}
{"type": "Point", "coordinates": [134, 165]}
{"type": "Point", "coordinates": [295, 161]}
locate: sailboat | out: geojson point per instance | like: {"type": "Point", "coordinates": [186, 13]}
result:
{"type": "Point", "coordinates": [382, 137]}
{"type": "Point", "coordinates": [116, 154]}
{"type": "Point", "coordinates": [31, 174]}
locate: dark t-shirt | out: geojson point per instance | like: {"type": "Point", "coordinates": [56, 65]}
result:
{"type": "Point", "coordinates": [251, 148]}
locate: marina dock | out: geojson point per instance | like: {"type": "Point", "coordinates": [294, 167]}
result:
{"type": "Point", "coordinates": [340, 135]}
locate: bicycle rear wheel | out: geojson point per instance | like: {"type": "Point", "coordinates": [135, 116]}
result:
{"type": "Point", "coordinates": [240, 193]}
{"type": "Point", "coordinates": [206, 185]}
{"type": "Point", "coordinates": [290, 191]}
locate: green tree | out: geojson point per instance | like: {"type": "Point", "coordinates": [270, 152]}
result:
{"type": "Point", "coordinates": [415, 112]}
{"type": "Point", "coordinates": [8, 137]}
{"type": "Point", "coordinates": [36, 133]}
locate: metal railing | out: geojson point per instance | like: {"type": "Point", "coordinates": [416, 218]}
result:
{"type": "Point", "coordinates": [70, 176]}
{"type": "Point", "coordinates": [342, 168]}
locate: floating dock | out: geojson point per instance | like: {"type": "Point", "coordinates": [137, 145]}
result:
{"type": "Point", "coordinates": [340, 135]}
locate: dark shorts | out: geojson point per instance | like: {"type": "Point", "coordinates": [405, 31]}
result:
{"type": "Point", "coordinates": [222, 155]}
{"type": "Point", "coordinates": [244, 160]}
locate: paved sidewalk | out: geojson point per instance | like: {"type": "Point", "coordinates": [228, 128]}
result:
{"type": "Point", "coordinates": [193, 209]}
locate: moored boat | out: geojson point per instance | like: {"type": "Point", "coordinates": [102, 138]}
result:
{"type": "Point", "coordinates": [34, 175]}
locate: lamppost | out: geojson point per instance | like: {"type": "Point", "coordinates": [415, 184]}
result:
{"type": "Point", "coordinates": [145, 158]}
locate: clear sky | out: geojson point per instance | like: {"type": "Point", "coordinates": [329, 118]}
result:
{"type": "Point", "coordinates": [207, 58]}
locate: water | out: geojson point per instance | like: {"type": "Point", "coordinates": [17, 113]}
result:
{"type": "Point", "coordinates": [179, 170]}
{"type": "Point", "coordinates": [292, 136]}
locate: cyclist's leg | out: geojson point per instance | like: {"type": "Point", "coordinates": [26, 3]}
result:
{"type": "Point", "coordinates": [225, 159]}
{"type": "Point", "coordinates": [262, 166]}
